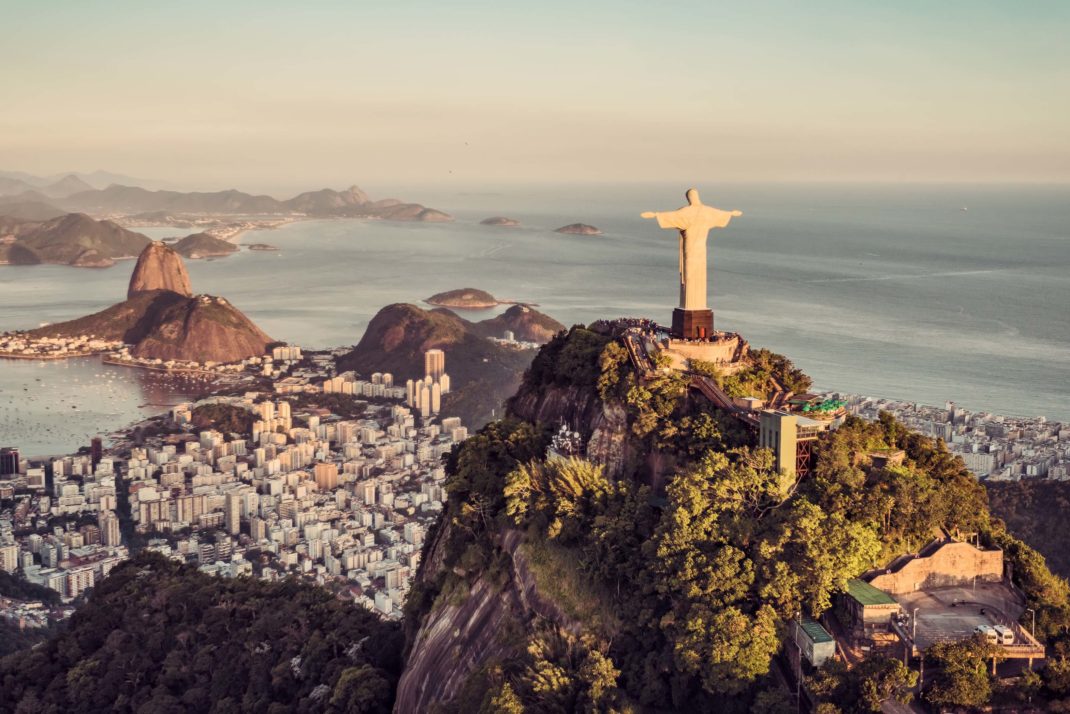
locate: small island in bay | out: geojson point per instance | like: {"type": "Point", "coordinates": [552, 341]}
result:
{"type": "Point", "coordinates": [501, 221]}
{"type": "Point", "coordinates": [203, 245]}
{"type": "Point", "coordinates": [579, 229]}
{"type": "Point", "coordinates": [261, 246]}
{"type": "Point", "coordinates": [469, 298]}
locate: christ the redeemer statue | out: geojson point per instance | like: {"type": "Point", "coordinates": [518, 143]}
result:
{"type": "Point", "coordinates": [693, 319]}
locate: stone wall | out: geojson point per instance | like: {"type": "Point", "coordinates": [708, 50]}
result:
{"type": "Point", "coordinates": [721, 352]}
{"type": "Point", "coordinates": [950, 565]}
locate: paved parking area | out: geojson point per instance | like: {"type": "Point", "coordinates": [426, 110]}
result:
{"type": "Point", "coordinates": [953, 613]}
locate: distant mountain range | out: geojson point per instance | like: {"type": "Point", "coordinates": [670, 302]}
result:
{"type": "Point", "coordinates": [71, 194]}
{"type": "Point", "coordinates": [60, 188]}
{"type": "Point", "coordinates": [49, 225]}
{"type": "Point", "coordinates": [91, 179]}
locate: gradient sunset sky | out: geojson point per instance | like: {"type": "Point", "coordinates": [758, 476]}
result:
{"type": "Point", "coordinates": [265, 95]}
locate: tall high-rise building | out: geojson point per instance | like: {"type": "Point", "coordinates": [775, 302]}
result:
{"type": "Point", "coordinates": [326, 476]}
{"type": "Point", "coordinates": [232, 513]}
{"type": "Point", "coordinates": [434, 363]}
{"type": "Point", "coordinates": [96, 450]}
{"type": "Point", "coordinates": [109, 529]}
{"type": "Point", "coordinates": [188, 508]}
{"type": "Point", "coordinates": [423, 403]}
{"type": "Point", "coordinates": [9, 461]}
{"type": "Point", "coordinates": [9, 558]}
{"type": "Point", "coordinates": [90, 534]}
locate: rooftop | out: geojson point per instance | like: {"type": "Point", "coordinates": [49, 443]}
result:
{"type": "Point", "coordinates": [866, 594]}
{"type": "Point", "coordinates": [814, 630]}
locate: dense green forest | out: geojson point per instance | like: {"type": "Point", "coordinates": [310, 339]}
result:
{"type": "Point", "coordinates": [681, 596]}
{"type": "Point", "coordinates": [225, 418]}
{"type": "Point", "coordinates": [12, 638]}
{"type": "Point", "coordinates": [1036, 511]}
{"type": "Point", "coordinates": [21, 589]}
{"type": "Point", "coordinates": [157, 636]}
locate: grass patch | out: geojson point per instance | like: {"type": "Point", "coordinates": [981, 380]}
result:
{"type": "Point", "coordinates": [561, 580]}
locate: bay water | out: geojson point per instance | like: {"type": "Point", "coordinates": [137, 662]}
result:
{"type": "Point", "coordinates": [926, 293]}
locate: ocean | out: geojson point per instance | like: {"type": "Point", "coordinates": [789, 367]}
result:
{"type": "Point", "coordinates": [918, 292]}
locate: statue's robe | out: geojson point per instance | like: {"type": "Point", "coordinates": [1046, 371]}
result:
{"type": "Point", "coordinates": [694, 223]}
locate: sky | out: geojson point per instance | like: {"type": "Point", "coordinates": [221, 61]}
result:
{"type": "Point", "coordinates": [275, 96]}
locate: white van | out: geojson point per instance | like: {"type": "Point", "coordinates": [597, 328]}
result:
{"type": "Point", "coordinates": [1005, 634]}
{"type": "Point", "coordinates": [988, 632]}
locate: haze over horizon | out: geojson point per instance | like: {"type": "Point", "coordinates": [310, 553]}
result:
{"type": "Point", "coordinates": [274, 97]}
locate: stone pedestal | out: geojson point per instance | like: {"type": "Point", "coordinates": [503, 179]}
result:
{"type": "Point", "coordinates": [692, 324]}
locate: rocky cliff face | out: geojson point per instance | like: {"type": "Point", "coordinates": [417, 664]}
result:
{"type": "Point", "coordinates": [604, 425]}
{"type": "Point", "coordinates": [455, 640]}
{"type": "Point", "coordinates": [202, 329]}
{"type": "Point", "coordinates": [159, 268]}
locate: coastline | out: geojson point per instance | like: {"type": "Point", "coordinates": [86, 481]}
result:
{"type": "Point", "coordinates": [105, 359]}
{"type": "Point", "coordinates": [51, 358]}
{"type": "Point", "coordinates": [169, 370]}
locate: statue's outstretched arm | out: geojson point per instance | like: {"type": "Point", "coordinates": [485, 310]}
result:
{"type": "Point", "coordinates": [668, 219]}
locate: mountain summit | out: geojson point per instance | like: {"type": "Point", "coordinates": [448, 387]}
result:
{"type": "Point", "coordinates": [159, 267]}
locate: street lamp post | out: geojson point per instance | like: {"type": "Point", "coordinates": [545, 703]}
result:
{"type": "Point", "coordinates": [798, 665]}
{"type": "Point", "coordinates": [1033, 628]}
{"type": "Point", "coordinates": [914, 627]}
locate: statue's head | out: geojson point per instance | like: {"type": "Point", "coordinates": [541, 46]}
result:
{"type": "Point", "coordinates": [692, 196]}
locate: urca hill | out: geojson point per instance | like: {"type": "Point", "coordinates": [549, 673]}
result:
{"type": "Point", "coordinates": [485, 372]}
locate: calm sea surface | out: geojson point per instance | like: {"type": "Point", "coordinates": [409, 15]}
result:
{"type": "Point", "coordinates": [889, 291]}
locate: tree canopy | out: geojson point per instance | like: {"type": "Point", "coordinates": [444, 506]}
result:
{"type": "Point", "coordinates": [159, 636]}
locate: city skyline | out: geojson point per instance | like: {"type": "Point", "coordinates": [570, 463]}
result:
{"type": "Point", "coordinates": [270, 97]}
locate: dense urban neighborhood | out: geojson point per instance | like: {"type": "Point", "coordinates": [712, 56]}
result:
{"type": "Point", "coordinates": [994, 447]}
{"type": "Point", "coordinates": [324, 475]}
